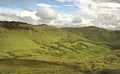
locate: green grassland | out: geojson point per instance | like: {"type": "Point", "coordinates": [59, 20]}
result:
{"type": "Point", "coordinates": [42, 49]}
{"type": "Point", "coordinates": [99, 35]}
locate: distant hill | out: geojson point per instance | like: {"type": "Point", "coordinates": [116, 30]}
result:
{"type": "Point", "coordinates": [39, 49]}
{"type": "Point", "coordinates": [108, 37]}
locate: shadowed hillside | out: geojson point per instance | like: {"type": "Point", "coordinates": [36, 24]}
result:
{"type": "Point", "coordinates": [15, 25]}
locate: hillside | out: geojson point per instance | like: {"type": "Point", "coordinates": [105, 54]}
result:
{"type": "Point", "coordinates": [108, 37]}
{"type": "Point", "coordinates": [42, 49]}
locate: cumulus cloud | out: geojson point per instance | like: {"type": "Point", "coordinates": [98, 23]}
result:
{"type": "Point", "coordinates": [14, 1]}
{"type": "Point", "coordinates": [116, 1]}
{"type": "Point", "coordinates": [48, 5]}
{"type": "Point", "coordinates": [43, 5]}
{"type": "Point", "coordinates": [46, 13]}
{"type": "Point", "coordinates": [11, 15]}
{"type": "Point", "coordinates": [26, 19]}
{"type": "Point", "coordinates": [101, 13]}
{"type": "Point", "coordinates": [28, 13]}
{"type": "Point", "coordinates": [118, 26]}
{"type": "Point", "coordinates": [63, 20]}
{"type": "Point", "coordinates": [77, 20]}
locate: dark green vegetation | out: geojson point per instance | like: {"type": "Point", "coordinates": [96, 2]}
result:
{"type": "Point", "coordinates": [30, 49]}
{"type": "Point", "coordinates": [99, 35]}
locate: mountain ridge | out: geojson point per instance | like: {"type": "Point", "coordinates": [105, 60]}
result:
{"type": "Point", "coordinates": [24, 23]}
{"type": "Point", "coordinates": [98, 34]}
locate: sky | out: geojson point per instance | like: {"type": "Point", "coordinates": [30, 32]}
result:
{"type": "Point", "coordinates": [63, 13]}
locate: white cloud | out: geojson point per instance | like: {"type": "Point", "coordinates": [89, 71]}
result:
{"type": "Point", "coordinates": [46, 13]}
{"type": "Point", "coordinates": [68, 5]}
{"type": "Point", "coordinates": [9, 17]}
{"type": "Point", "coordinates": [28, 13]}
{"type": "Point", "coordinates": [118, 26]}
{"type": "Point", "coordinates": [12, 15]}
{"type": "Point", "coordinates": [101, 13]}
{"type": "Point", "coordinates": [63, 20]}
{"type": "Point", "coordinates": [47, 5]}
{"type": "Point", "coordinates": [65, 17]}
{"type": "Point", "coordinates": [77, 20]}
{"type": "Point", "coordinates": [43, 5]}
{"type": "Point", "coordinates": [114, 1]}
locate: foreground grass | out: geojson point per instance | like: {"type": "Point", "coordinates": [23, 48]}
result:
{"type": "Point", "coordinates": [20, 66]}
{"type": "Point", "coordinates": [23, 66]}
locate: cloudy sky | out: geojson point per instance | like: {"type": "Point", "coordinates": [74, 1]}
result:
{"type": "Point", "coordinates": [63, 13]}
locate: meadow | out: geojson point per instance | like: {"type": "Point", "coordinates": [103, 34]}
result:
{"type": "Point", "coordinates": [43, 49]}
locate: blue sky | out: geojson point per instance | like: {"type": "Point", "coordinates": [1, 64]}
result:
{"type": "Point", "coordinates": [62, 7]}
{"type": "Point", "coordinates": [63, 13]}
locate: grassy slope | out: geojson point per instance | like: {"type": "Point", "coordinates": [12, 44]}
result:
{"type": "Point", "coordinates": [45, 43]}
{"type": "Point", "coordinates": [108, 37]}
